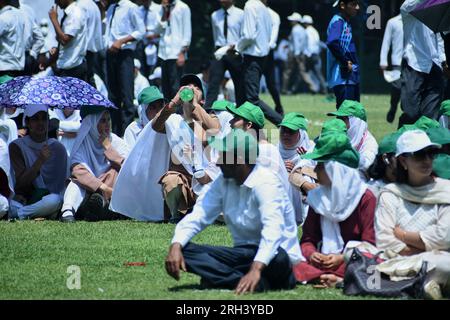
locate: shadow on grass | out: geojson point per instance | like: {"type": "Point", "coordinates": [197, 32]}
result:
{"type": "Point", "coordinates": [186, 287]}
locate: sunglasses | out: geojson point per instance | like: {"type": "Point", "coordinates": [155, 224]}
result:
{"type": "Point", "coordinates": [423, 154]}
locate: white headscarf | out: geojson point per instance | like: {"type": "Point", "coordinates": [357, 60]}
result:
{"type": "Point", "coordinates": [87, 149]}
{"type": "Point", "coordinates": [142, 112]}
{"type": "Point", "coordinates": [71, 123]}
{"type": "Point", "coordinates": [357, 132]}
{"type": "Point", "coordinates": [8, 128]}
{"type": "Point", "coordinates": [336, 203]}
{"type": "Point", "coordinates": [291, 154]}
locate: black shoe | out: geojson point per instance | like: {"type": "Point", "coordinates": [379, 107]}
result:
{"type": "Point", "coordinates": [390, 116]}
{"type": "Point", "coordinates": [68, 219]}
{"type": "Point", "coordinates": [95, 207]}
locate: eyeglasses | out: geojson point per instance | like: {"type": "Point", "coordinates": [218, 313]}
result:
{"type": "Point", "coordinates": [422, 154]}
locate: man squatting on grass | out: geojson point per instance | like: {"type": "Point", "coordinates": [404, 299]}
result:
{"type": "Point", "coordinates": [259, 215]}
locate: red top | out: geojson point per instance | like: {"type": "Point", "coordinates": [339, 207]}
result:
{"type": "Point", "coordinates": [359, 226]}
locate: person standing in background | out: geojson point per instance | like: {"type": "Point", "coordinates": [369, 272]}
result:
{"type": "Point", "coordinates": [71, 32]}
{"type": "Point", "coordinates": [269, 70]}
{"type": "Point", "coordinates": [393, 38]}
{"type": "Point", "coordinates": [147, 49]}
{"type": "Point", "coordinates": [124, 26]}
{"type": "Point", "coordinates": [175, 38]}
{"type": "Point", "coordinates": [93, 37]}
{"type": "Point", "coordinates": [422, 71]}
{"type": "Point", "coordinates": [34, 40]}
{"type": "Point", "coordinates": [342, 63]}
{"type": "Point", "coordinates": [312, 53]}
{"type": "Point", "coordinates": [12, 48]}
{"type": "Point", "coordinates": [226, 26]}
{"type": "Point", "coordinates": [255, 46]}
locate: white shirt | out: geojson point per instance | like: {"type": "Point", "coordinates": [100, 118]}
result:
{"type": "Point", "coordinates": [34, 40]}
{"type": "Point", "coordinates": [131, 134]}
{"type": "Point", "coordinates": [176, 34]}
{"type": "Point", "coordinates": [258, 212]}
{"type": "Point", "coordinates": [12, 48]}
{"type": "Point", "coordinates": [313, 41]}
{"type": "Point", "coordinates": [422, 46]}
{"type": "Point", "coordinates": [94, 23]}
{"type": "Point", "coordinates": [282, 51]}
{"type": "Point", "coordinates": [299, 40]}
{"type": "Point", "coordinates": [151, 19]}
{"type": "Point", "coordinates": [275, 28]}
{"type": "Point", "coordinates": [127, 21]}
{"type": "Point", "coordinates": [140, 83]}
{"type": "Point", "coordinates": [234, 22]}
{"type": "Point", "coordinates": [72, 54]}
{"type": "Point", "coordinates": [393, 36]}
{"type": "Point", "coordinates": [256, 30]}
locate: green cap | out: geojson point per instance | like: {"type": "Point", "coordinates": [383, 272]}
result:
{"type": "Point", "coordinates": [5, 78]}
{"type": "Point", "coordinates": [445, 108]}
{"type": "Point", "coordinates": [424, 123]}
{"type": "Point", "coordinates": [334, 147]}
{"type": "Point", "coordinates": [249, 112]}
{"type": "Point", "coordinates": [389, 143]}
{"type": "Point", "coordinates": [439, 135]}
{"type": "Point", "coordinates": [149, 95]}
{"type": "Point", "coordinates": [240, 143]}
{"type": "Point", "coordinates": [333, 126]}
{"type": "Point", "coordinates": [87, 110]}
{"type": "Point", "coordinates": [441, 166]}
{"type": "Point", "coordinates": [221, 105]}
{"type": "Point", "coordinates": [294, 121]}
{"type": "Point", "coordinates": [350, 108]}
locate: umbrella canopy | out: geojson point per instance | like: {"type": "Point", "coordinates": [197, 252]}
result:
{"type": "Point", "coordinates": [61, 92]}
{"type": "Point", "coordinates": [435, 14]}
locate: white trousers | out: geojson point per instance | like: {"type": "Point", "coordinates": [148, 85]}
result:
{"type": "Point", "coordinates": [73, 197]}
{"type": "Point", "coordinates": [48, 206]}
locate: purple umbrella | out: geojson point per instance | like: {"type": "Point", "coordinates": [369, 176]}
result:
{"type": "Point", "coordinates": [61, 92]}
{"type": "Point", "coordinates": [435, 14]}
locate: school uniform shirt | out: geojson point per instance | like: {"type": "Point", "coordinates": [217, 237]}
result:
{"type": "Point", "coordinates": [72, 54]}
{"type": "Point", "coordinates": [12, 48]}
{"type": "Point", "coordinates": [151, 18]}
{"type": "Point", "coordinates": [34, 40]}
{"type": "Point", "coordinates": [140, 83]}
{"type": "Point", "coordinates": [125, 22]}
{"type": "Point", "coordinates": [256, 30]}
{"type": "Point", "coordinates": [177, 34]}
{"type": "Point", "coordinates": [393, 36]}
{"type": "Point", "coordinates": [423, 47]}
{"type": "Point", "coordinates": [313, 42]}
{"type": "Point", "coordinates": [341, 49]}
{"type": "Point", "coordinates": [94, 23]}
{"type": "Point", "coordinates": [275, 28]}
{"type": "Point", "coordinates": [298, 40]}
{"type": "Point", "coordinates": [234, 22]}
{"type": "Point", "coordinates": [258, 212]}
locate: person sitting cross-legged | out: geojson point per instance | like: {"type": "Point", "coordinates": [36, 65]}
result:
{"type": "Point", "coordinates": [259, 215]}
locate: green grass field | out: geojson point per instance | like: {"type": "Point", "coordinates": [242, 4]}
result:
{"type": "Point", "coordinates": [35, 255]}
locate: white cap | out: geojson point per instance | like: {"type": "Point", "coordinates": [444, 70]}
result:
{"type": "Point", "coordinates": [137, 64]}
{"type": "Point", "coordinates": [31, 109]}
{"type": "Point", "coordinates": [308, 20]}
{"type": "Point", "coordinates": [413, 141]}
{"type": "Point", "coordinates": [156, 74]}
{"type": "Point", "coordinates": [295, 17]}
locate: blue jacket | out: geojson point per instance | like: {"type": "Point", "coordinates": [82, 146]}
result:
{"type": "Point", "coordinates": [341, 48]}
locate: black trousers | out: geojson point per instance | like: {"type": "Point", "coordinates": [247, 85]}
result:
{"type": "Point", "coordinates": [120, 75]}
{"type": "Point", "coordinates": [253, 70]}
{"type": "Point", "coordinates": [79, 72]}
{"type": "Point", "coordinates": [232, 63]}
{"type": "Point", "coordinates": [223, 267]}
{"type": "Point", "coordinates": [346, 92]}
{"type": "Point", "coordinates": [12, 73]}
{"type": "Point", "coordinates": [269, 74]}
{"type": "Point", "coordinates": [91, 58]}
{"type": "Point", "coordinates": [31, 65]}
{"type": "Point", "coordinates": [170, 78]}
{"type": "Point", "coordinates": [421, 94]}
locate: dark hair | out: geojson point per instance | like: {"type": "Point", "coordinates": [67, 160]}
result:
{"type": "Point", "coordinates": [346, 2]}
{"type": "Point", "coordinates": [401, 174]}
{"type": "Point", "coordinates": [378, 168]}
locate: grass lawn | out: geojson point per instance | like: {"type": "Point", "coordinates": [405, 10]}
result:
{"type": "Point", "coordinates": [35, 255]}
